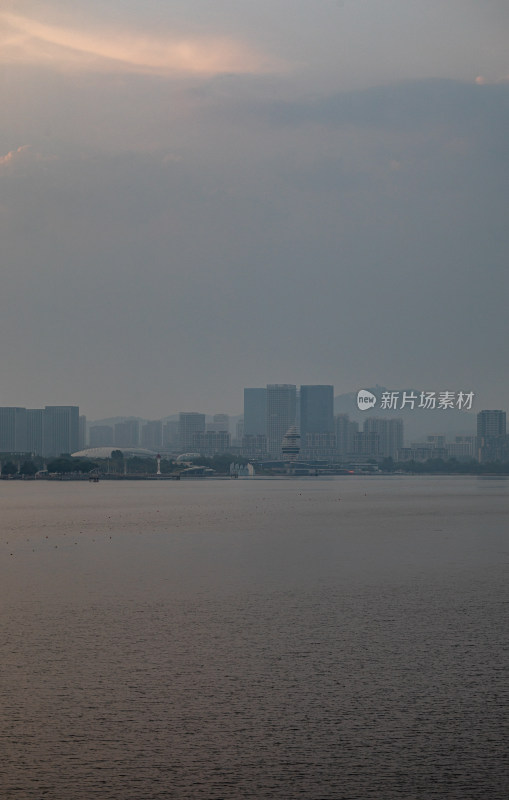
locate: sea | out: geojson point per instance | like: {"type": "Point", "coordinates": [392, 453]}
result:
{"type": "Point", "coordinates": [336, 638]}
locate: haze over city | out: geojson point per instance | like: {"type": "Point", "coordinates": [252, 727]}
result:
{"type": "Point", "coordinates": [199, 197]}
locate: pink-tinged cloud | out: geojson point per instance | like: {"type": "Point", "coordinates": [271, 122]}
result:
{"type": "Point", "coordinates": [25, 155]}
{"type": "Point", "coordinates": [482, 81]}
{"type": "Point", "coordinates": [27, 41]}
{"type": "Point", "coordinates": [13, 155]}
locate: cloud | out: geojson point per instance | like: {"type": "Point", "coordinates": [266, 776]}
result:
{"type": "Point", "coordinates": [13, 155]}
{"type": "Point", "coordinates": [25, 40]}
{"type": "Point", "coordinates": [25, 155]}
{"type": "Point", "coordinates": [403, 107]}
{"type": "Point", "coordinates": [482, 81]}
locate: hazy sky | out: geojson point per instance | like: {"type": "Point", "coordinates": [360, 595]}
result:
{"type": "Point", "coordinates": [204, 195]}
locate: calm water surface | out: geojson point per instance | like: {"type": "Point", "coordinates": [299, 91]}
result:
{"type": "Point", "coordinates": [324, 639]}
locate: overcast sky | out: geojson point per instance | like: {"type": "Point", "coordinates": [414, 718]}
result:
{"type": "Point", "coordinates": [202, 195]}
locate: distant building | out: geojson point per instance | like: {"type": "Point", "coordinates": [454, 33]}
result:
{"type": "Point", "coordinates": [463, 447]}
{"type": "Point", "coordinates": [366, 443]}
{"type": "Point", "coordinates": [13, 429]}
{"type": "Point", "coordinates": [239, 431]}
{"type": "Point", "coordinates": [209, 443]}
{"type": "Point", "coordinates": [341, 422]}
{"type": "Point", "coordinates": [82, 432]}
{"type": "Point", "coordinates": [291, 444]}
{"type": "Point", "coordinates": [35, 430]}
{"type": "Point", "coordinates": [346, 430]}
{"type": "Point", "coordinates": [318, 435]}
{"type": "Point", "coordinates": [492, 444]}
{"type": "Point", "coordinates": [48, 431]}
{"type": "Point", "coordinates": [171, 435]}
{"type": "Point", "coordinates": [190, 423]}
{"type": "Point", "coordinates": [101, 436]}
{"type": "Point", "coordinates": [491, 423]}
{"type": "Point", "coordinates": [61, 430]}
{"type": "Point", "coordinates": [495, 448]}
{"type": "Point", "coordinates": [127, 433]}
{"type": "Point", "coordinates": [436, 439]}
{"type": "Point", "coordinates": [255, 412]}
{"type": "Point", "coordinates": [434, 446]}
{"type": "Point", "coordinates": [254, 446]}
{"type": "Point", "coordinates": [421, 452]}
{"type": "Point", "coordinates": [316, 409]}
{"type": "Point", "coordinates": [220, 422]}
{"type": "Point", "coordinates": [316, 446]}
{"type": "Point", "coordinates": [390, 435]}
{"type": "Point", "coordinates": [281, 414]}
{"type": "Point", "coordinates": [152, 435]}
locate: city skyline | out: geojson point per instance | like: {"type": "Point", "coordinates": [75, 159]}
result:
{"type": "Point", "coordinates": [213, 414]}
{"type": "Point", "coordinates": [270, 415]}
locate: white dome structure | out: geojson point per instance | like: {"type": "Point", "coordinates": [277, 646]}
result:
{"type": "Point", "coordinates": [187, 457]}
{"type": "Point", "coordinates": [105, 452]}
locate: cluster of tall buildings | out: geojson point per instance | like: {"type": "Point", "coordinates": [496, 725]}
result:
{"type": "Point", "coordinates": [271, 413]}
{"type": "Point", "coordinates": [280, 422]}
{"type": "Point", "coordinates": [127, 433]}
{"type": "Point", "coordinates": [47, 432]}
{"type": "Point", "coordinates": [191, 433]}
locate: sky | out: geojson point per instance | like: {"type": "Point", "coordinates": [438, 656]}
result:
{"type": "Point", "coordinates": [205, 195]}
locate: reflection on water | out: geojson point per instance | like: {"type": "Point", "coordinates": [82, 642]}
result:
{"type": "Point", "coordinates": [341, 638]}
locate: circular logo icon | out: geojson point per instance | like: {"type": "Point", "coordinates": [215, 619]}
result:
{"type": "Point", "coordinates": [365, 400]}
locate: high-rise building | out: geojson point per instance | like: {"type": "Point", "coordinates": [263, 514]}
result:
{"type": "Point", "coordinates": [190, 422]}
{"type": "Point", "coordinates": [255, 412]}
{"type": "Point", "coordinates": [210, 442]}
{"type": "Point", "coordinates": [127, 433]}
{"type": "Point", "coordinates": [61, 430]}
{"type": "Point", "coordinates": [82, 432]}
{"type": "Point", "coordinates": [152, 435]}
{"type": "Point", "coordinates": [254, 446]}
{"type": "Point", "coordinates": [491, 423]}
{"type": "Point", "coordinates": [492, 439]}
{"type": "Point", "coordinates": [35, 431]}
{"type": "Point", "coordinates": [346, 429]}
{"type": "Point", "coordinates": [318, 437]}
{"type": "Point", "coordinates": [239, 431]}
{"type": "Point", "coordinates": [48, 431]}
{"type": "Point", "coordinates": [281, 413]}
{"type": "Point", "coordinates": [316, 410]}
{"type": "Point", "coordinates": [13, 430]}
{"type": "Point", "coordinates": [390, 435]}
{"type": "Point", "coordinates": [366, 443]}
{"type": "Point", "coordinates": [171, 435]}
{"type": "Point", "coordinates": [221, 422]}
